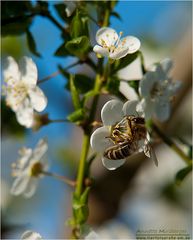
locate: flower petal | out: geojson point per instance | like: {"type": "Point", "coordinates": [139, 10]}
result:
{"type": "Point", "coordinates": [166, 64]}
{"type": "Point", "coordinates": [20, 184]}
{"type": "Point", "coordinates": [24, 114]}
{"type": "Point", "coordinates": [40, 149]}
{"type": "Point", "coordinates": [173, 87]}
{"type": "Point", "coordinates": [11, 71]}
{"type": "Point", "coordinates": [31, 188]}
{"type": "Point", "coordinates": [38, 99]}
{"type": "Point", "coordinates": [106, 35]}
{"type": "Point", "coordinates": [129, 108]}
{"type": "Point", "coordinates": [29, 72]}
{"type": "Point", "coordinates": [30, 235]}
{"type": "Point", "coordinates": [111, 112]}
{"type": "Point", "coordinates": [131, 43]}
{"type": "Point", "coordinates": [12, 101]}
{"type": "Point", "coordinates": [146, 108]}
{"type": "Point", "coordinates": [160, 73]}
{"type": "Point", "coordinates": [128, 91]}
{"type": "Point", "coordinates": [25, 154]}
{"type": "Point", "coordinates": [162, 110]}
{"type": "Point", "coordinates": [119, 53]}
{"type": "Point", "coordinates": [112, 164]}
{"type": "Point", "coordinates": [100, 50]}
{"type": "Point", "coordinates": [99, 141]}
{"type": "Point", "coordinates": [146, 84]}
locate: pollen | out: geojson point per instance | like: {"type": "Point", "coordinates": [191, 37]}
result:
{"type": "Point", "coordinates": [18, 91]}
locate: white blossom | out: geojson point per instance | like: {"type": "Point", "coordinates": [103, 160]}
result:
{"type": "Point", "coordinates": [28, 169]}
{"type": "Point", "coordinates": [112, 113]}
{"type": "Point", "coordinates": [111, 45]}
{"type": "Point", "coordinates": [30, 235]}
{"type": "Point", "coordinates": [23, 95]}
{"type": "Point", "coordinates": [157, 90]}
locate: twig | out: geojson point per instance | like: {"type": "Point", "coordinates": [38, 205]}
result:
{"type": "Point", "coordinates": [59, 121]}
{"type": "Point", "coordinates": [62, 178]}
{"type": "Point", "coordinates": [58, 72]}
{"type": "Point", "coordinates": [49, 77]}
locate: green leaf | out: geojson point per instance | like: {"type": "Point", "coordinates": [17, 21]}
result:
{"type": "Point", "coordinates": [84, 196]}
{"type": "Point", "coordinates": [61, 51]}
{"type": "Point", "coordinates": [77, 26]}
{"type": "Point", "coordinates": [82, 83]}
{"type": "Point", "coordinates": [113, 85]}
{"type": "Point", "coordinates": [123, 62]}
{"type": "Point", "coordinates": [77, 116]}
{"type": "Point", "coordinates": [42, 6]}
{"type": "Point", "coordinates": [90, 94]}
{"type": "Point", "coordinates": [74, 93]}
{"type": "Point", "coordinates": [78, 46]}
{"type": "Point", "coordinates": [12, 10]}
{"type": "Point", "coordinates": [16, 28]}
{"type": "Point", "coordinates": [135, 85]}
{"type": "Point", "coordinates": [80, 206]}
{"type": "Point", "coordinates": [60, 9]}
{"type": "Point", "coordinates": [182, 174]}
{"type": "Point", "coordinates": [115, 14]}
{"type": "Point", "coordinates": [81, 214]}
{"type": "Point", "coordinates": [16, 18]}
{"type": "Point", "coordinates": [32, 44]}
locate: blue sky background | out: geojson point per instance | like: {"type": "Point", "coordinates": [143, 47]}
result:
{"type": "Point", "coordinates": [164, 21]}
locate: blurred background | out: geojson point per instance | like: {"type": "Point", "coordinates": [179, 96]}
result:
{"type": "Point", "coordinates": [138, 196]}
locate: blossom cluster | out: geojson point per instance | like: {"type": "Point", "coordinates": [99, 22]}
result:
{"type": "Point", "coordinates": [124, 131]}
{"type": "Point", "coordinates": [156, 91]}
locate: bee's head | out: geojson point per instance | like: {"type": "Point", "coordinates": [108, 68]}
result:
{"type": "Point", "coordinates": [138, 120]}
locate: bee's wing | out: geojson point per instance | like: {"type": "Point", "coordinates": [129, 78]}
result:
{"type": "Point", "coordinates": [149, 152]}
{"type": "Point", "coordinates": [153, 156]}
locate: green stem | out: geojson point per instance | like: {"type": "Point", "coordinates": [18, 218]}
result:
{"type": "Point", "coordinates": [172, 145]}
{"type": "Point", "coordinates": [88, 129]}
{"type": "Point", "coordinates": [82, 163]}
{"type": "Point", "coordinates": [106, 17]}
{"type": "Point", "coordinates": [95, 99]}
{"type": "Point", "coordinates": [86, 140]}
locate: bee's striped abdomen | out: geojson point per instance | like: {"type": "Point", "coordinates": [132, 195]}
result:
{"type": "Point", "coordinates": [119, 151]}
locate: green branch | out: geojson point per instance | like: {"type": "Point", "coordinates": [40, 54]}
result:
{"type": "Point", "coordinates": [172, 145]}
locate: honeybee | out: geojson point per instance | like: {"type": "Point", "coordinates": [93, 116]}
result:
{"type": "Point", "coordinates": [126, 135]}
